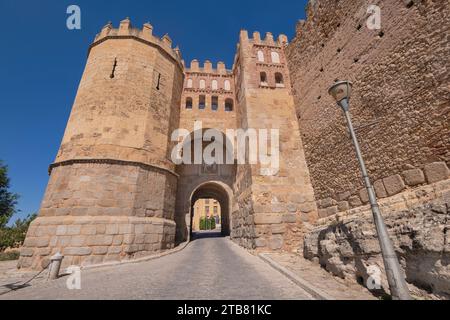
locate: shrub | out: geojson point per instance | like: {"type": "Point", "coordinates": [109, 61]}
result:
{"type": "Point", "coordinates": [9, 256]}
{"type": "Point", "coordinates": [13, 237]}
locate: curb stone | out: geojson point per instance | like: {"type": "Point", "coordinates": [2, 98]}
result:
{"type": "Point", "coordinates": [315, 292]}
{"type": "Point", "coordinates": [144, 259]}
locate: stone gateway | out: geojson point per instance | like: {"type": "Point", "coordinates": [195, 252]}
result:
{"type": "Point", "coordinates": [114, 193]}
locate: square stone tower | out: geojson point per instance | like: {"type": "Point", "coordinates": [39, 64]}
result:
{"type": "Point", "coordinates": [272, 207]}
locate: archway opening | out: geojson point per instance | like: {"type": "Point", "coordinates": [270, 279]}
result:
{"type": "Point", "coordinates": [206, 175]}
{"type": "Point", "coordinates": [210, 211]}
{"type": "Point", "coordinates": [206, 217]}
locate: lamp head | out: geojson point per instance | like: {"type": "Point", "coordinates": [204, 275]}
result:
{"type": "Point", "coordinates": [341, 92]}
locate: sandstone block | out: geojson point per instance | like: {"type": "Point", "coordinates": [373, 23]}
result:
{"type": "Point", "coordinates": [304, 217]}
{"type": "Point", "coordinates": [100, 240]}
{"type": "Point", "coordinates": [380, 190]}
{"type": "Point", "coordinates": [436, 172]}
{"type": "Point", "coordinates": [354, 201]}
{"type": "Point", "coordinates": [43, 252]}
{"type": "Point", "coordinates": [73, 230]}
{"type": "Point", "coordinates": [278, 229]}
{"type": "Point", "coordinates": [37, 242]}
{"type": "Point", "coordinates": [413, 177]}
{"type": "Point", "coordinates": [128, 239]}
{"type": "Point", "coordinates": [88, 230]}
{"type": "Point", "coordinates": [289, 218]}
{"type": "Point", "coordinates": [394, 184]}
{"type": "Point", "coordinates": [117, 240]}
{"type": "Point", "coordinates": [100, 229]}
{"type": "Point", "coordinates": [130, 249]}
{"type": "Point", "coordinates": [139, 229]}
{"type": "Point", "coordinates": [343, 196]}
{"type": "Point", "coordinates": [260, 242]}
{"type": "Point", "coordinates": [292, 208]}
{"type": "Point", "coordinates": [64, 241]}
{"type": "Point", "coordinates": [61, 230]}
{"type": "Point", "coordinates": [112, 229]}
{"type": "Point", "coordinates": [126, 229]}
{"type": "Point", "coordinates": [298, 198]}
{"type": "Point", "coordinates": [26, 252]}
{"type": "Point", "coordinates": [325, 203]}
{"type": "Point", "coordinates": [307, 207]}
{"type": "Point", "coordinates": [100, 250]}
{"type": "Point", "coordinates": [276, 242]}
{"type": "Point", "coordinates": [77, 241]}
{"type": "Point", "coordinates": [343, 206]}
{"type": "Point", "coordinates": [77, 251]}
{"type": "Point", "coordinates": [267, 218]}
{"type": "Point", "coordinates": [115, 250]}
{"type": "Point", "coordinates": [363, 195]}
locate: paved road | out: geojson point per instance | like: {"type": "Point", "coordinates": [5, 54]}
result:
{"type": "Point", "coordinates": [209, 268]}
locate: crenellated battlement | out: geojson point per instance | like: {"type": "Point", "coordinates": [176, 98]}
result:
{"type": "Point", "coordinates": [268, 40]}
{"type": "Point", "coordinates": [207, 67]}
{"type": "Point", "coordinates": [145, 34]}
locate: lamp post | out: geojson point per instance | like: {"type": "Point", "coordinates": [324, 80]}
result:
{"type": "Point", "coordinates": [341, 92]}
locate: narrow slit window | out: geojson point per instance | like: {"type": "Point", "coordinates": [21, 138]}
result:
{"type": "Point", "coordinates": [188, 103]}
{"type": "Point", "coordinates": [279, 81]}
{"type": "Point", "coordinates": [202, 102]}
{"type": "Point", "coordinates": [159, 81]}
{"type": "Point", "coordinates": [113, 72]}
{"type": "Point", "coordinates": [229, 105]}
{"type": "Point", "coordinates": [215, 103]}
{"type": "Point", "coordinates": [263, 78]}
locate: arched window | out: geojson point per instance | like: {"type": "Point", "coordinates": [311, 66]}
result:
{"type": "Point", "coordinates": [202, 84]}
{"type": "Point", "coordinates": [275, 57]}
{"type": "Point", "coordinates": [279, 82]}
{"type": "Point", "coordinates": [229, 105]}
{"type": "Point", "coordinates": [202, 102]}
{"type": "Point", "coordinates": [263, 78]}
{"type": "Point", "coordinates": [214, 103]}
{"type": "Point", "coordinates": [260, 56]}
{"type": "Point", "coordinates": [188, 103]}
{"type": "Point", "coordinates": [214, 85]}
{"type": "Point", "coordinates": [227, 85]}
{"type": "Point", "coordinates": [189, 83]}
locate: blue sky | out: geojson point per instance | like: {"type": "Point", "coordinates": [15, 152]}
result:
{"type": "Point", "coordinates": [42, 63]}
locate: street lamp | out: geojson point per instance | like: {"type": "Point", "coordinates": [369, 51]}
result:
{"type": "Point", "coordinates": [341, 92]}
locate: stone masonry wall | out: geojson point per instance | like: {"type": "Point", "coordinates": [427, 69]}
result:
{"type": "Point", "coordinates": [94, 213]}
{"type": "Point", "coordinates": [111, 194]}
{"type": "Point", "coordinates": [274, 204]}
{"type": "Point", "coordinates": [400, 104]}
{"type": "Point", "coordinates": [418, 222]}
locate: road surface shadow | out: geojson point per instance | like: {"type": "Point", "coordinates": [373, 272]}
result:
{"type": "Point", "coordinates": [206, 234]}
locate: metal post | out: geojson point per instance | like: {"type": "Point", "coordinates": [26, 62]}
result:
{"type": "Point", "coordinates": [397, 284]}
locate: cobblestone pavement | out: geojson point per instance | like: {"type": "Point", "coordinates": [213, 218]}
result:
{"type": "Point", "coordinates": [209, 268]}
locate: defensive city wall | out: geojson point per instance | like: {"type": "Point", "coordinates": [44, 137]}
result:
{"type": "Point", "coordinates": [401, 105]}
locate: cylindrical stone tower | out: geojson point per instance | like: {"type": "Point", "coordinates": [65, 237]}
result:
{"type": "Point", "coordinates": [112, 188]}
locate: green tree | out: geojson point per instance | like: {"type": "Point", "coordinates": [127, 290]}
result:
{"type": "Point", "coordinates": [13, 237]}
{"type": "Point", "coordinates": [202, 223]}
{"type": "Point", "coordinates": [8, 200]}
